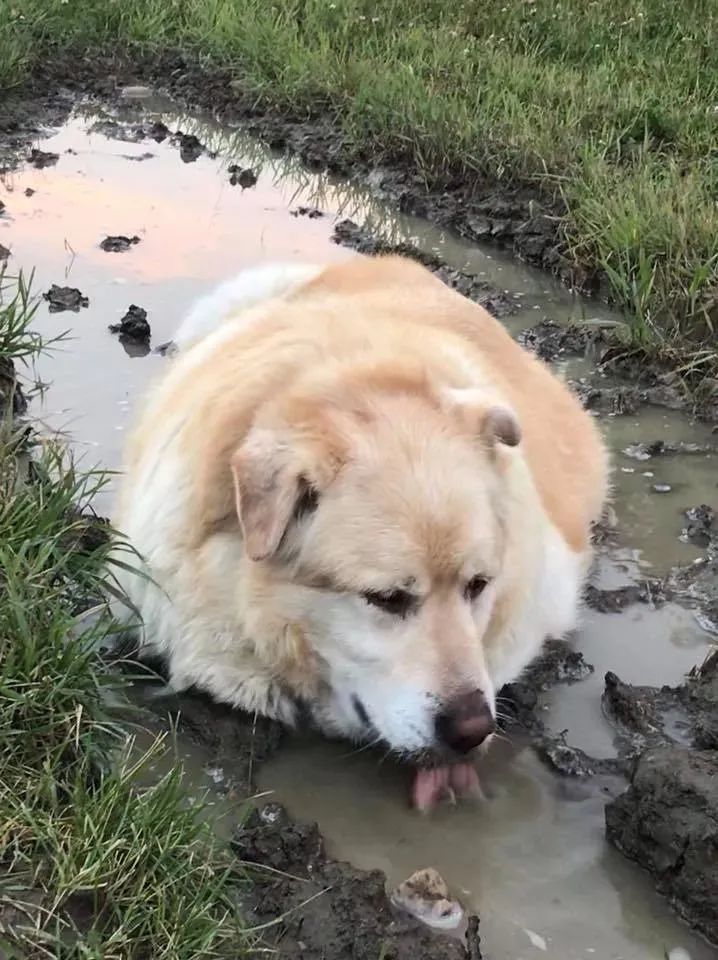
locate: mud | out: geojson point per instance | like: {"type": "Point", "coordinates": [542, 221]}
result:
{"type": "Point", "coordinates": [329, 909]}
{"type": "Point", "coordinates": [133, 326]}
{"type": "Point", "coordinates": [667, 819]}
{"type": "Point", "coordinates": [65, 298]}
{"type": "Point", "coordinates": [568, 759]}
{"type": "Point", "coordinates": [189, 147]}
{"type": "Point", "coordinates": [40, 159]}
{"type": "Point", "coordinates": [118, 244]}
{"type": "Point", "coordinates": [241, 176]}
{"type": "Point", "coordinates": [349, 234]}
{"type": "Point", "coordinates": [12, 397]}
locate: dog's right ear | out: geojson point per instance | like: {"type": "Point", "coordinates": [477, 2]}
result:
{"type": "Point", "coordinates": [269, 488]}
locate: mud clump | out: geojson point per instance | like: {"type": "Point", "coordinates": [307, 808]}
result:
{"type": "Point", "coordinates": [651, 591]}
{"type": "Point", "coordinates": [558, 662]}
{"type": "Point", "coordinates": [65, 298]}
{"type": "Point", "coordinates": [550, 340]}
{"type": "Point", "coordinates": [41, 159]}
{"type": "Point", "coordinates": [12, 398]}
{"type": "Point", "coordinates": [349, 234]}
{"type": "Point", "coordinates": [133, 326]}
{"type": "Point", "coordinates": [118, 244]}
{"type": "Point", "coordinates": [114, 130]}
{"type": "Point", "coordinates": [329, 910]}
{"type": "Point", "coordinates": [700, 528]}
{"type": "Point", "coordinates": [158, 131]}
{"type": "Point", "coordinates": [667, 821]}
{"type": "Point", "coordinates": [190, 147]}
{"type": "Point", "coordinates": [564, 759]}
{"type": "Point", "coordinates": [243, 177]}
{"type": "Point", "coordinates": [311, 213]}
{"type": "Point", "coordinates": [662, 448]}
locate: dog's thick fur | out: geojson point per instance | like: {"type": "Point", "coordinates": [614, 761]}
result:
{"type": "Point", "coordinates": [353, 490]}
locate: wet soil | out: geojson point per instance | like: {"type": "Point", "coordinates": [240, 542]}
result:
{"type": "Point", "coordinates": [667, 819]}
{"type": "Point", "coordinates": [329, 909]}
{"type": "Point", "coordinates": [652, 605]}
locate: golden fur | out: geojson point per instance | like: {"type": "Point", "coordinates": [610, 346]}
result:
{"type": "Point", "coordinates": [362, 430]}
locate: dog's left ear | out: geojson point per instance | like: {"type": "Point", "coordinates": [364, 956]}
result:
{"type": "Point", "coordinates": [269, 487]}
{"type": "Point", "coordinates": [494, 422]}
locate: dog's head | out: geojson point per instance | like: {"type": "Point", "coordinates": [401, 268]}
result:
{"type": "Point", "coordinates": [375, 504]}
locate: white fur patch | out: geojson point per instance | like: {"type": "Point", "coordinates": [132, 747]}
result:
{"type": "Point", "coordinates": [249, 288]}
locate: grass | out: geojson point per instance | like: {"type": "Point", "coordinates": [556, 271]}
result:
{"type": "Point", "coordinates": [612, 108]}
{"type": "Point", "coordinates": [95, 863]}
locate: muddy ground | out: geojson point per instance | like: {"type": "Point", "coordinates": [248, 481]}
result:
{"type": "Point", "coordinates": [667, 816]}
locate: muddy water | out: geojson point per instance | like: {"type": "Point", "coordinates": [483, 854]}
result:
{"type": "Point", "coordinates": [531, 859]}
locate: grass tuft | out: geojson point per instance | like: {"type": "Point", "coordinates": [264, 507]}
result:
{"type": "Point", "coordinates": [98, 859]}
{"type": "Point", "coordinates": [615, 108]}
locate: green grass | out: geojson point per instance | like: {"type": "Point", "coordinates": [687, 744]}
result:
{"type": "Point", "coordinates": [612, 107]}
{"type": "Point", "coordinates": [95, 862]}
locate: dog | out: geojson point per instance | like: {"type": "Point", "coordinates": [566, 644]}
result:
{"type": "Point", "coordinates": [356, 497]}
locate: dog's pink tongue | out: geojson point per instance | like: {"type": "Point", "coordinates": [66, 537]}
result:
{"type": "Point", "coordinates": [434, 784]}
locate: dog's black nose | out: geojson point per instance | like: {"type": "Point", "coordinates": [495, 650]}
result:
{"type": "Point", "coordinates": [465, 722]}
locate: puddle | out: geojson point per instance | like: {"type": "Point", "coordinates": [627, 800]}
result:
{"type": "Point", "coordinates": [532, 860]}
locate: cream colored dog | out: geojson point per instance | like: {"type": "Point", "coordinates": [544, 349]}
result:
{"type": "Point", "coordinates": [355, 493]}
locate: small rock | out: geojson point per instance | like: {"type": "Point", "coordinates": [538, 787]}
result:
{"type": "Point", "coordinates": [661, 488]}
{"type": "Point", "coordinates": [41, 159]}
{"type": "Point", "coordinates": [133, 326]}
{"type": "Point", "coordinates": [29, 191]}
{"type": "Point", "coordinates": [425, 896]}
{"type": "Point", "coordinates": [65, 298]}
{"type": "Point", "coordinates": [244, 178]}
{"type": "Point", "coordinates": [118, 244]}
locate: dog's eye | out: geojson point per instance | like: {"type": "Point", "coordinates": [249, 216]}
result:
{"type": "Point", "coordinates": [399, 603]}
{"type": "Point", "coordinates": [475, 587]}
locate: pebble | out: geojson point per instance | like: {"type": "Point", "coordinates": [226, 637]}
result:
{"type": "Point", "coordinates": [662, 488]}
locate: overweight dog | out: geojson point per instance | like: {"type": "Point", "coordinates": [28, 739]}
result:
{"type": "Point", "coordinates": [356, 496]}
